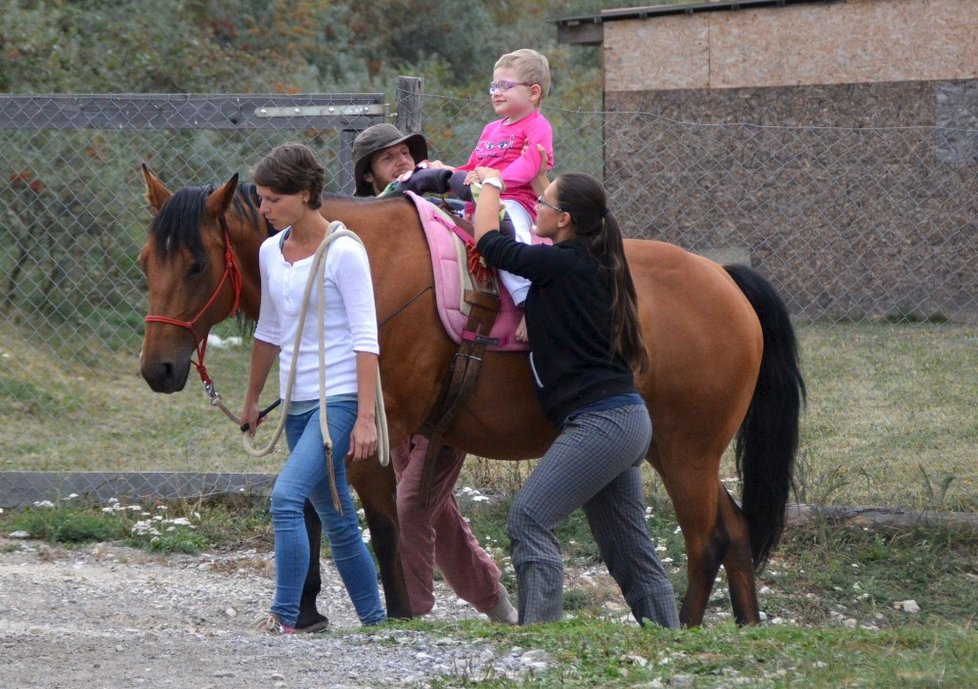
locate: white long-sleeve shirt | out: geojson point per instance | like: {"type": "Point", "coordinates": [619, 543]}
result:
{"type": "Point", "coordinates": [351, 318]}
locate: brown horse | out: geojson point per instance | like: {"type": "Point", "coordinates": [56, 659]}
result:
{"type": "Point", "coordinates": [723, 352]}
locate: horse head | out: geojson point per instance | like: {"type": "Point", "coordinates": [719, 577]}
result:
{"type": "Point", "coordinates": [191, 275]}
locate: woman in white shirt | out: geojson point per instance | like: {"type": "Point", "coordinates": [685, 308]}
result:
{"type": "Point", "coordinates": [289, 182]}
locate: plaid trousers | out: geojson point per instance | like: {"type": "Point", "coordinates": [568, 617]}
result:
{"type": "Point", "coordinates": [594, 464]}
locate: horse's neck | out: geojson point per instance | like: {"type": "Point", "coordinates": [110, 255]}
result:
{"type": "Point", "coordinates": [246, 241]}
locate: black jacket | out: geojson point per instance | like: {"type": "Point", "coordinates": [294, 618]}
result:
{"type": "Point", "coordinates": [568, 321]}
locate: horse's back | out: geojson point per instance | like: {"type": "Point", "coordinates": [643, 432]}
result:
{"type": "Point", "coordinates": [704, 341]}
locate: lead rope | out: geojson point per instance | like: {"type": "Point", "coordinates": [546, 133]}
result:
{"type": "Point", "coordinates": [317, 274]}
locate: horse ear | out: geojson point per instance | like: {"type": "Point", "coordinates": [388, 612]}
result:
{"type": "Point", "coordinates": [220, 199]}
{"type": "Point", "coordinates": [156, 193]}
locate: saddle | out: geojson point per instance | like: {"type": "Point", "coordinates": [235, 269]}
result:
{"type": "Point", "coordinates": [476, 314]}
{"type": "Point", "coordinates": [448, 244]}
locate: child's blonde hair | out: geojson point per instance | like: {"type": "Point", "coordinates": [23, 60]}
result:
{"type": "Point", "coordinates": [530, 66]}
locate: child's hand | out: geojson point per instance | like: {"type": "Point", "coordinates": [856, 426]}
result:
{"type": "Point", "coordinates": [521, 331]}
{"type": "Point", "coordinates": [481, 174]}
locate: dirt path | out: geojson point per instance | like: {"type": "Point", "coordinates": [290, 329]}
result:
{"type": "Point", "coordinates": [106, 616]}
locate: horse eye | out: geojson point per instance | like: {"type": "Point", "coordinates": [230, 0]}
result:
{"type": "Point", "coordinates": [196, 268]}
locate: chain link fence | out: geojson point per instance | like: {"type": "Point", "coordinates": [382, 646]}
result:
{"type": "Point", "coordinates": [857, 225]}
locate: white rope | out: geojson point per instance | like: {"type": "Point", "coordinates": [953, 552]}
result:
{"type": "Point", "coordinates": [317, 274]}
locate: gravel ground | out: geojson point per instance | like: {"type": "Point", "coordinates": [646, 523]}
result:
{"type": "Point", "coordinates": [105, 616]}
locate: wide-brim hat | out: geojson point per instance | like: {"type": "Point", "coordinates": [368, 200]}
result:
{"type": "Point", "coordinates": [376, 138]}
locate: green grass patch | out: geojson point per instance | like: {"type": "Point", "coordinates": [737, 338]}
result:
{"type": "Point", "coordinates": [890, 418]}
{"type": "Point", "coordinates": [589, 652]}
{"type": "Point", "coordinates": [177, 526]}
{"type": "Point", "coordinates": [820, 575]}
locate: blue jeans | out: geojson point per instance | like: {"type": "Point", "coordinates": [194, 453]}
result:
{"type": "Point", "coordinates": [304, 475]}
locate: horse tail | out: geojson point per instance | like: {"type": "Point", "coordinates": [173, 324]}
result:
{"type": "Point", "coordinates": [768, 439]}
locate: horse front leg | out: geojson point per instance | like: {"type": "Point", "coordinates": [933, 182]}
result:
{"type": "Point", "coordinates": [309, 616]}
{"type": "Point", "coordinates": [376, 487]}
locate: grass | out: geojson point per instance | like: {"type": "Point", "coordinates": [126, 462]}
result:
{"type": "Point", "coordinates": [891, 416]}
{"type": "Point", "coordinates": [177, 526]}
{"type": "Point", "coordinates": [584, 652]}
{"type": "Point", "coordinates": [890, 419]}
{"type": "Point", "coordinates": [70, 416]}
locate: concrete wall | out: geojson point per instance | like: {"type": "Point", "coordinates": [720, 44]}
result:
{"type": "Point", "coordinates": [859, 41]}
{"type": "Point", "coordinates": [835, 145]}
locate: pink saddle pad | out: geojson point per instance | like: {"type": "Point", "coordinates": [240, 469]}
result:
{"type": "Point", "coordinates": [449, 263]}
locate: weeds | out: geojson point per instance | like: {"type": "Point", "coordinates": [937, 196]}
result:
{"type": "Point", "coordinates": [182, 526]}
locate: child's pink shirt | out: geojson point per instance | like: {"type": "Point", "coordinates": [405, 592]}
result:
{"type": "Point", "coordinates": [499, 147]}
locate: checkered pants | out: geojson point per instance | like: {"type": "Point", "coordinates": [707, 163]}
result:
{"type": "Point", "coordinates": [593, 464]}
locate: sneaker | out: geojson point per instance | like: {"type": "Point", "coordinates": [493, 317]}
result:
{"type": "Point", "coordinates": [270, 623]}
{"type": "Point", "coordinates": [503, 612]}
{"type": "Point", "coordinates": [316, 623]}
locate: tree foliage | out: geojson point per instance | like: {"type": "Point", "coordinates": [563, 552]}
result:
{"type": "Point", "coordinates": [251, 46]}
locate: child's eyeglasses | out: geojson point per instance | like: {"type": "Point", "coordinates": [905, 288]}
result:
{"type": "Point", "coordinates": [504, 85]}
{"type": "Point", "coordinates": [543, 202]}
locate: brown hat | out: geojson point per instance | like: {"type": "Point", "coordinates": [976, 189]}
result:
{"type": "Point", "coordinates": [377, 138]}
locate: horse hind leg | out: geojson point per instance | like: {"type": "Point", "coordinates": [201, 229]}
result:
{"type": "Point", "coordinates": [716, 535]}
{"type": "Point", "coordinates": [695, 501]}
{"type": "Point", "coordinates": [739, 563]}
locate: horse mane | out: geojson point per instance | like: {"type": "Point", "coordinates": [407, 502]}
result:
{"type": "Point", "coordinates": [177, 225]}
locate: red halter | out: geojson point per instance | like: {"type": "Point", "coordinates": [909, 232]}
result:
{"type": "Point", "coordinates": [232, 273]}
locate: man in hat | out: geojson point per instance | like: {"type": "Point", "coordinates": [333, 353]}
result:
{"type": "Point", "coordinates": [381, 154]}
{"type": "Point", "coordinates": [438, 536]}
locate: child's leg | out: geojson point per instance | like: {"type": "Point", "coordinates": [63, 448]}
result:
{"type": "Point", "coordinates": [522, 222]}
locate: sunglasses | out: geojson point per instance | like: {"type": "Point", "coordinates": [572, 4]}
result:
{"type": "Point", "coordinates": [543, 202]}
{"type": "Point", "coordinates": [501, 86]}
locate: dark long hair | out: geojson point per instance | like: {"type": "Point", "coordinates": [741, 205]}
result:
{"type": "Point", "coordinates": [585, 199]}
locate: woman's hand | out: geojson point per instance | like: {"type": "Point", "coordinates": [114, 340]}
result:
{"type": "Point", "coordinates": [541, 181]}
{"type": "Point", "coordinates": [481, 174]}
{"type": "Point", "coordinates": [363, 439]}
{"type": "Point", "coordinates": [250, 416]}
{"type": "Point", "coordinates": [486, 216]}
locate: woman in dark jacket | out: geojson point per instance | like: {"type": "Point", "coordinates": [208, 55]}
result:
{"type": "Point", "coordinates": [585, 343]}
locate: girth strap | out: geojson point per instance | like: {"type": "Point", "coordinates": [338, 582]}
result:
{"type": "Point", "coordinates": [457, 384]}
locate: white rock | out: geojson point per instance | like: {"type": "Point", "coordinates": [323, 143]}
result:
{"type": "Point", "coordinates": [20, 534]}
{"type": "Point", "coordinates": [536, 660]}
{"type": "Point", "coordinates": [909, 605]}
{"type": "Point", "coordinates": [635, 660]}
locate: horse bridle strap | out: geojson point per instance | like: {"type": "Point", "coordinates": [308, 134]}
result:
{"type": "Point", "coordinates": [231, 274]}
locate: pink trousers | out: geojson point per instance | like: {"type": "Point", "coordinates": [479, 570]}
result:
{"type": "Point", "coordinates": [439, 536]}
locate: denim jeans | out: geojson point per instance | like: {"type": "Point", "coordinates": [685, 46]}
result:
{"type": "Point", "coordinates": [304, 475]}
